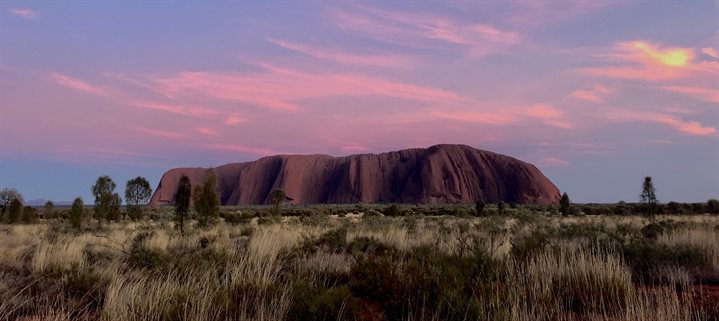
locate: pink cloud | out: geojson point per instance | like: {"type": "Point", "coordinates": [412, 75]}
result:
{"type": "Point", "coordinates": [160, 133]}
{"type": "Point", "coordinates": [354, 148]}
{"type": "Point", "coordinates": [549, 115]}
{"type": "Point", "coordinates": [234, 120]}
{"type": "Point", "coordinates": [642, 60]}
{"type": "Point", "coordinates": [282, 89]}
{"type": "Point", "coordinates": [234, 148]}
{"type": "Point", "coordinates": [206, 131]}
{"type": "Point", "coordinates": [201, 112]}
{"type": "Point", "coordinates": [554, 162]}
{"type": "Point", "coordinates": [106, 155]}
{"type": "Point", "coordinates": [23, 13]}
{"type": "Point", "coordinates": [711, 52]}
{"type": "Point", "coordinates": [77, 84]}
{"type": "Point", "coordinates": [687, 127]}
{"type": "Point", "coordinates": [707, 94]}
{"type": "Point", "coordinates": [533, 14]}
{"type": "Point", "coordinates": [422, 29]}
{"type": "Point", "coordinates": [594, 94]}
{"type": "Point", "coordinates": [485, 117]}
{"type": "Point", "coordinates": [378, 60]}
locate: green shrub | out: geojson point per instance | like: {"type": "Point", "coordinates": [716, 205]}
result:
{"type": "Point", "coordinates": [314, 301]}
{"type": "Point", "coordinates": [429, 284]}
{"type": "Point", "coordinates": [87, 286]}
{"type": "Point", "coordinates": [479, 207]}
{"type": "Point", "coordinates": [648, 260]}
{"type": "Point", "coordinates": [144, 258]}
{"type": "Point", "coordinates": [655, 229]}
{"type": "Point", "coordinates": [29, 215]}
{"type": "Point", "coordinates": [236, 217]}
{"type": "Point", "coordinates": [392, 210]}
{"type": "Point", "coordinates": [272, 219]}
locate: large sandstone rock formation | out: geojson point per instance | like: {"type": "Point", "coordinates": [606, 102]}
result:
{"type": "Point", "coordinates": [438, 174]}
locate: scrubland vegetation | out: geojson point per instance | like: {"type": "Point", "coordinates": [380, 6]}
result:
{"type": "Point", "coordinates": [357, 263]}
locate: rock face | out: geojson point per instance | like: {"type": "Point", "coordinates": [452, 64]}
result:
{"type": "Point", "coordinates": [438, 174]}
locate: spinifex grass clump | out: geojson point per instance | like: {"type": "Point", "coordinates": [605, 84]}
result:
{"type": "Point", "coordinates": [325, 266]}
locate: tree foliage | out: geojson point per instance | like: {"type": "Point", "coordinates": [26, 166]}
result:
{"type": "Point", "coordinates": [206, 199]}
{"type": "Point", "coordinates": [565, 205]}
{"type": "Point", "coordinates": [137, 193]}
{"type": "Point", "coordinates": [76, 213]}
{"type": "Point", "coordinates": [105, 198]}
{"type": "Point", "coordinates": [479, 207]}
{"type": "Point", "coordinates": [648, 196]}
{"type": "Point", "coordinates": [113, 210]}
{"type": "Point", "coordinates": [713, 206]}
{"type": "Point", "coordinates": [49, 210]}
{"type": "Point", "coordinates": [29, 215]}
{"type": "Point", "coordinates": [6, 196]}
{"type": "Point", "coordinates": [14, 211]}
{"type": "Point", "coordinates": [277, 197]}
{"type": "Point", "coordinates": [182, 201]}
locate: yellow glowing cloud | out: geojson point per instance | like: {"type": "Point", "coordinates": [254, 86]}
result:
{"type": "Point", "coordinates": [674, 57]}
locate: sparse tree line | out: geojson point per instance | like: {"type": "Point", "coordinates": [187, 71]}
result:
{"type": "Point", "coordinates": [202, 202]}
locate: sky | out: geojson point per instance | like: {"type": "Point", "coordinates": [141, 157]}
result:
{"type": "Point", "coordinates": [597, 94]}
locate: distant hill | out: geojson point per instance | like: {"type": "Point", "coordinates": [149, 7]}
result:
{"type": "Point", "coordinates": [438, 174]}
{"type": "Point", "coordinates": [42, 201]}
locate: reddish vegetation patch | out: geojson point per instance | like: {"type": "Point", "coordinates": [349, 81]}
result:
{"type": "Point", "coordinates": [369, 311]}
{"type": "Point", "coordinates": [707, 298]}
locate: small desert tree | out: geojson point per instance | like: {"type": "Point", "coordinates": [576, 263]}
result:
{"type": "Point", "coordinates": [76, 213]}
{"type": "Point", "coordinates": [14, 211]}
{"type": "Point", "coordinates": [206, 199]}
{"type": "Point", "coordinates": [479, 206]}
{"type": "Point", "coordinates": [713, 206]}
{"type": "Point", "coordinates": [501, 206]}
{"type": "Point", "coordinates": [113, 210]}
{"type": "Point", "coordinates": [182, 201]}
{"type": "Point", "coordinates": [104, 192]}
{"type": "Point", "coordinates": [648, 196]}
{"type": "Point", "coordinates": [565, 206]}
{"type": "Point", "coordinates": [6, 196]}
{"type": "Point", "coordinates": [137, 194]}
{"type": "Point", "coordinates": [49, 211]}
{"type": "Point", "coordinates": [29, 215]}
{"type": "Point", "coordinates": [277, 197]}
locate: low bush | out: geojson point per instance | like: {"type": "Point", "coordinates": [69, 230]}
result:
{"type": "Point", "coordinates": [649, 260]}
{"type": "Point", "coordinates": [317, 302]}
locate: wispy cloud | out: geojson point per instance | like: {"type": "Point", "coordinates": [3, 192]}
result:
{"type": "Point", "coordinates": [710, 94]}
{"type": "Point", "coordinates": [533, 14]}
{"type": "Point", "coordinates": [23, 13]}
{"type": "Point", "coordinates": [642, 60]}
{"type": "Point", "coordinates": [282, 89]}
{"type": "Point", "coordinates": [344, 57]}
{"type": "Point", "coordinates": [550, 115]}
{"type": "Point", "coordinates": [77, 84]}
{"type": "Point", "coordinates": [693, 128]}
{"type": "Point", "coordinates": [208, 131]}
{"type": "Point", "coordinates": [496, 117]}
{"type": "Point", "coordinates": [189, 111]}
{"type": "Point", "coordinates": [160, 133]}
{"type": "Point", "coordinates": [424, 30]}
{"type": "Point", "coordinates": [236, 148]}
{"type": "Point", "coordinates": [595, 93]}
{"type": "Point", "coordinates": [554, 162]}
{"type": "Point", "coordinates": [234, 120]}
{"type": "Point", "coordinates": [711, 52]}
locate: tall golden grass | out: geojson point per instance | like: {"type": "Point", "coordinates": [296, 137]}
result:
{"type": "Point", "coordinates": [244, 277]}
